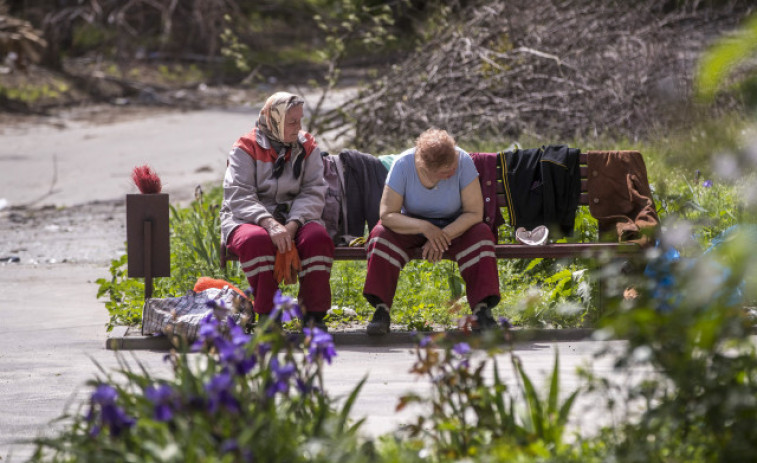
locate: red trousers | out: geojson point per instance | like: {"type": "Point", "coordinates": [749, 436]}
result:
{"type": "Point", "coordinates": [257, 255]}
{"type": "Point", "coordinates": [388, 252]}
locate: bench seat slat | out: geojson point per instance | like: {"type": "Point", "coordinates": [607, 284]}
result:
{"type": "Point", "coordinates": [522, 251]}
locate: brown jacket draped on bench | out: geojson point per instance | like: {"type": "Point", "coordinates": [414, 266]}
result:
{"type": "Point", "coordinates": [620, 197]}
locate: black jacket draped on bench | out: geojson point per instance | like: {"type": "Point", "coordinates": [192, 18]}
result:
{"type": "Point", "coordinates": [542, 187]}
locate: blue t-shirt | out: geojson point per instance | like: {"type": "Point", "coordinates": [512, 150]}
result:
{"type": "Point", "coordinates": [443, 203]}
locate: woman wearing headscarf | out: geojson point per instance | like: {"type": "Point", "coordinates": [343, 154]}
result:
{"type": "Point", "coordinates": [274, 194]}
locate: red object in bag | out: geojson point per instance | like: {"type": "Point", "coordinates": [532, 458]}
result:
{"type": "Point", "coordinates": [204, 283]}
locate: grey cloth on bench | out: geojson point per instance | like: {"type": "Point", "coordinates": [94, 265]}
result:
{"type": "Point", "coordinates": [543, 186]}
{"type": "Point", "coordinates": [334, 213]}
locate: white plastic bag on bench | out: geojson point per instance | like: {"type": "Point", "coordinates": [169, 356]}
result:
{"type": "Point", "coordinates": [181, 316]}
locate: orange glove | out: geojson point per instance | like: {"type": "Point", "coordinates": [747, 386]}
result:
{"type": "Point", "coordinates": [287, 266]}
{"type": "Point", "coordinates": [294, 266]}
{"type": "Point", "coordinates": [279, 266]}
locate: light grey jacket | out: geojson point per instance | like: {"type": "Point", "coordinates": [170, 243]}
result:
{"type": "Point", "coordinates": [251, 193]}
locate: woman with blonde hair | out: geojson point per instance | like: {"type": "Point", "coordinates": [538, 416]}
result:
{"type": "Point", "coordinates": [432, 201]}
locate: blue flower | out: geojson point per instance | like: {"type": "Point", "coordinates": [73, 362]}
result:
{"type": "Point", "coordinates": [232, 352]}
{"type": "Point", "coordinates": [264, 348]}
{"type": "Point", "coordinates": [285, 308]}
{"type": "Point", "coordinates": [235, 357]}
{"type": "Point", "coordinates": [237, 334]}
{"type": "Point", "coordinates": [707, 183]}
{"type": "Point", "coordinates": [229, 446]}
{"type": "Point", "coordinates": [111, 415]}
{"type": "Point", "coordinates": [207, 333]}
{"type": "Point", "coordinates": [105, 394]}
{"type": "Point", "coordinates": [425, 341]}
{"type": "Point", "coordinates": [281, 377]}
{"type": "Point", "coordinates": [303, 387]}
{"type": "Point", "coordinates": [219, 393]}
{"type": "Point", "coordinates": [162, 397]}
{"type": "Point", "coordinates": [320, 345]}
{"type": "Point", "coordinates": [461, 348]}
{"type": "Point", "coordinates": [232, 446]}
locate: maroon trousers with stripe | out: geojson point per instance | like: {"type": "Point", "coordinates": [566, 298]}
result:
{"type": "Point", "coordinates": [388, 252]}
{"type": "Point", "coordinates": [257, 255]}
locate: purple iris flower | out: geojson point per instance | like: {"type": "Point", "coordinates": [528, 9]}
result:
{"type": "Point", "coordinates": [707, 183]}
{"type": "Point", "coordinates": [282, 375]}
{"type": "Point", "coordinates": [285, 308]}
{"type": "Point", "coordinates": [235, 357]}
{"type": "Point", "coordinates": [232, 446]}
{"type": "Point", "coordinates": [111, 415]}
{"type": "Point", "coordinates": [320, 345]}
{"type": "Point", "coordinates": [303, 387]}
{"type": "Point", "coordinates": [264, 348]}
{"type": "Point", "coordinates": [219, 393]}
{"type": "Point", "coordinates": [229, 445]}
{"type": "Point", "coordinates": [116, 419]}
{"type": "Point", "coordinates": [425, 341]}
{"type": "Point", "coordinates": [462, 349]}
{"type": "Point", "coordinates": [232, 351]}
{"type": "Point", "coordinates": [238, 336]}
{"type": "Point", "coordinates": [105, 394]}
{"type": "Point", "coordinates": [207, 333]}
{"type": "Point", "coordinates": [162, 397]}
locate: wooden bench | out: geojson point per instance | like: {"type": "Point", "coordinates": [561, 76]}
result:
{"type": "Point", "coordinates": [511, 251]}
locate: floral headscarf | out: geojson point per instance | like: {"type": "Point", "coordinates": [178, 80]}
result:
{"type": "Point", "coordinates": [271, 124]}
{"type": "Point", "coordinates": [271, 119]}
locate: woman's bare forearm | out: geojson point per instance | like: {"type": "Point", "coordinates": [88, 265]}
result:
{"type": "Point", "coordinates": [462, 224]}
{"type": "Point", "coordinates": [403, 224]}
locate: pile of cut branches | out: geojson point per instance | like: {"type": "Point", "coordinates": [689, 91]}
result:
{"type": "Point", "coordinates": [553, 69]}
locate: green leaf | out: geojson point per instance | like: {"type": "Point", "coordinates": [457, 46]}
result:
{"type": "Point", "coordinates": [718, 62]}
{"type": "Point", "coordinates": [532, 400]}
{"type": "Point", "coordinates": [554, 386]}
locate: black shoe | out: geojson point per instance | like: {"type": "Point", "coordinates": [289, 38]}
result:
{"type": "Point", "coordinates": [315, 319]}
{"type": "Point", "coordinates": [484, 319]}
{"type": "Point", "coordinates": [379, 324]}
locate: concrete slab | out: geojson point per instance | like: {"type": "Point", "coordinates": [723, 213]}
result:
{"type": "Point", "coordinates": [131, 338]}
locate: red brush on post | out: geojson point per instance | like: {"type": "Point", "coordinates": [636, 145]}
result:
{"type": "Point", "coordinates": [147, 229]}
{"type": "Point", "coordinates": [146, 180]}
